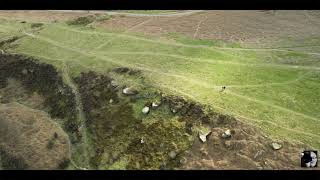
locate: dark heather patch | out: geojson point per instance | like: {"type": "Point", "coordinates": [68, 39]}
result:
{"type": "Point", "coordinates": [45, 80]}
{"type": "Point", "coordinates": [10, 162]}
{"type": "Point", "coordinates": [85, 20]}
{"type": "Point", "coordinates": [5, 43]}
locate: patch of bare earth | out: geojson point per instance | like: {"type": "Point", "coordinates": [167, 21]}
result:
{"type": "Point", "coordinates": [29, 139]}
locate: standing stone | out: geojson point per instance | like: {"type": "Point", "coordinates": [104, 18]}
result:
{"type": "Point", "coordinates": [145, 110]}
{"type": "Point", "coordinates": [129, 91]}
{"type": "Point", "coordinates": [203, 137]}
{"type": "Point", "coordinates": [276, 146]}
{"type": "Point", "coordinates": [155, 104]}
{"type": "Point", "coordinates": [226, 134]}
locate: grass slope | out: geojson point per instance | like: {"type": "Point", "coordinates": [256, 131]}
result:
{"type": "Point", "coordinates": [275, 90]}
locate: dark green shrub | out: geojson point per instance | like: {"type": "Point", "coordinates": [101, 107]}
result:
{"type": "Point", "coordinates": [36, 25]}
{"type": "Point", "coordinates": [82, 20]}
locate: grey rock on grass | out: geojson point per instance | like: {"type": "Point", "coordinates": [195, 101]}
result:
{"type": "Point", "coordinates": [129, 91]}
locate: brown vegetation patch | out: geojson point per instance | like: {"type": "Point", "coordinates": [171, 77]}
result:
{"type": "Point", "coordinates": [24, 137]}
{"type": "Point", "coordinates": [254, 27]}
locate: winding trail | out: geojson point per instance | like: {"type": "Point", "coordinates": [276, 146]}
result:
{"type": "Point", "coordinates": [198, 26]}
{"type": "Point", "coordinates": [81, 116]}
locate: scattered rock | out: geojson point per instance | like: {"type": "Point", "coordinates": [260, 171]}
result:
{"type": "Point", "coordinates": [174, 110]}
{"type": "Point", "coordinates": [142, 140]}
{"type": "Point", "coordinates": [129, 91]}
{"type": "Point", "coordinates": [155, 104]}
{"type": "Point", "coordinates": [226, 134]}
{"type": "Point", "coordinates": [172, 154]}
{"type": "Point", "coordinates": [276, 146]}
{"type": "Point", "coordinates": [111, 101]}
{"type": "Point", "coordinates": [146, 110]}
{"type": "Point", "coordinates": [203, 137]}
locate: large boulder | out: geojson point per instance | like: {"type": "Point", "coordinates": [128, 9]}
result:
{"type": "Point", "coordinates": [276, 146]}
{"type": "Point", "coordinates": [130, 91]}
{"type": "Point", "coordinates": [146, 110]}
{"type": "Point", "coordinates": [226, 134]}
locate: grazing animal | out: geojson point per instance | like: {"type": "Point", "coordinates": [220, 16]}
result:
{"type": "Point", "coordinates": [223, 88]}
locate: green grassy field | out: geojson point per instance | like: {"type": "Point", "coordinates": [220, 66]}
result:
{"type": "Point", "coordinates": [275, 89]}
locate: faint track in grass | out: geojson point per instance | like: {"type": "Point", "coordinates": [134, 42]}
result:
{"type": "Point", "coordinates": [183, 45]}
{"type": "Point", "coordinates": [187, 79]}
{"type": "Point", "coordinates": [212, 61]}
{"type": "Point", "coordinates": [81, 115]}
{"type": "Point", "coordinates": [131, 28]}
{"type": "Point", "coordinates": [188, 45]}
{"type": "Point", "coordinates": [198, 26]}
